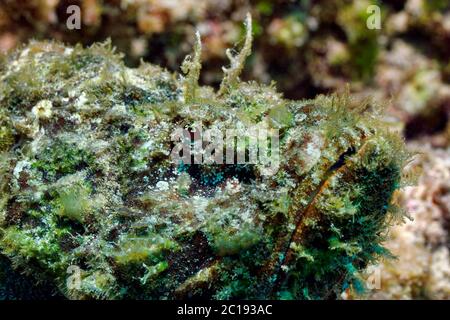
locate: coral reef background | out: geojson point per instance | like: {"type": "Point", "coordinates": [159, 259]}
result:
{"type": "Point", "coordinates": [307, 47]}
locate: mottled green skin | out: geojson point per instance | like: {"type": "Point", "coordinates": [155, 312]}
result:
{"type": "Point", "coordinates": [79, 184]}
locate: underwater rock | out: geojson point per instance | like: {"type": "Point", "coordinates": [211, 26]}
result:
{"type": "Point", "coordinates": [422, 267]}
{"type": "Point", "coordinates": [92, 202]}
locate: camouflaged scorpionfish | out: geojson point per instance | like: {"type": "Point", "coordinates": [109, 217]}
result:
{"type": "Point", "coordinates": [92, 204]}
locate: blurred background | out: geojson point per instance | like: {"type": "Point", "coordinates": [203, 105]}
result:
{"type": "Point", "coordinates": [307, 47]}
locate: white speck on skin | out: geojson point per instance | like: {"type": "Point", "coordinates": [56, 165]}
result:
{"type": "Point", "coordinates": [233, 186]}
{"type": "Point", "coordinates": [162, 185]}
{"type": "Point", "coordinates": [81, 101]}
{"type": "Point", "coordinates": [43, 109]}
{"type": "Point", "coordinates": [19, 167]}
{"type": "Point", "coordinates": [68, 51]}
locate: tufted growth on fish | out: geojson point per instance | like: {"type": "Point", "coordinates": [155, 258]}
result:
{"type": "Point", "coordinates": [87, 182]}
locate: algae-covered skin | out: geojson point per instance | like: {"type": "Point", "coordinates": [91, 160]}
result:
{"type": "Point", "coordinates": [88, 184]}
